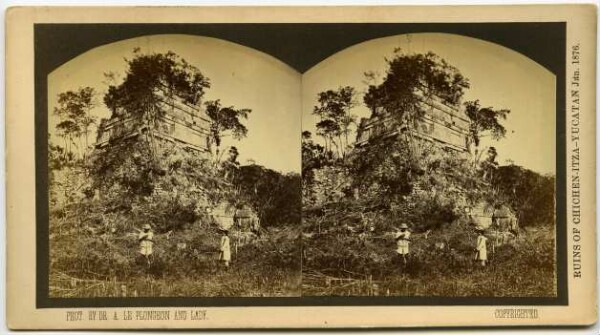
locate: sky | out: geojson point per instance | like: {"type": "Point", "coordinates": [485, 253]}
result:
{"type": "Point", "coordinates": [282, 99]}
{"type": "Point", "coordinates": [240, 76]}
{"type": "Point", "coordinates": [499, 77]}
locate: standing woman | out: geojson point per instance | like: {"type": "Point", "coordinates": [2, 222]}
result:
{"type": "Point", "coordinates": [402, 241]}
{"type": "Point", "coordinates": [481, 248]}
{"type": "Point", "coordinates": [225, 248]}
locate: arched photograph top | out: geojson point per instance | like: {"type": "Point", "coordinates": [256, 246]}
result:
{"type": "Point", "coordinates": [429, 169]}
{"type": "Point", "coordinates": [169, 159]}
{"type": "Point", "coordinates": [302, 167]}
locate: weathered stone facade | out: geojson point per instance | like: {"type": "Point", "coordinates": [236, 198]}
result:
{"type": "Point", "coordinates": [443, 124]}
{"type": "Point", "coordinates": [179, 123]}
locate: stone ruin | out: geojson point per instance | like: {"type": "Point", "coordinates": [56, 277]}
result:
{"type": "Point", "coordinates": [181, 124]}
{"type": "Point", "coordinates": [443, 124]}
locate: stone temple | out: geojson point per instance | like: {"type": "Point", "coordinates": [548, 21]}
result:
{"type": "Point", "coordinates": [443, 124]}
{"type": "Point", "coordinates": [178, 123]}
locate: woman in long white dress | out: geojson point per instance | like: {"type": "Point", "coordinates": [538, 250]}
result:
{"type": "Point", "coordinates": [225, 249]}
{"type": "Point", "coordinates": [481, 248]}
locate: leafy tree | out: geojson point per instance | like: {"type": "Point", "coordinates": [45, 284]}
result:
{"type": "Point", "coordinates": [306, 135]}
{"type": "Point", "coordinates": [224, 121]}
{"type": "Point", "coordinates": [531, 194]}
{"type": "Point", "coordinates": [56, 157]}
{"type": "Point", "coordinates": [489, 165]}
{"type": "Point", "coordinates": [152, 82]}
{"type": "Point", "coordinates": [73, 110]}
{"type": "Point", "coordinates": [61, 166]}
{"type": "Point", "coordinates": [388, 168]}
{"type": "Point", "coordinates": [130, 172]}
{"type": "Point", "coordinates": [231, 164]}
{"type": "Point", "coordinates": [151, 79]}
{"type": "Point", "coordinates": [276, 197]}
{"type": "Point", "coordinates": [329, 130]}
{"type": "Point", "coordinates": [68, 130]}
{"type": "Point", "coordinates": [335, 116]}
{"type": "Point", "coordinates": [484, 121]}
{"type": "Point", "coordinates": [233, 156]}
{"type": "Point", "coordinates": [410, 78]}
{"type": "Point", "coordinates": [314, 155]}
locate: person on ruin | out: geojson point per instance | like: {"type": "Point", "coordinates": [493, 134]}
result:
{"type": "Point", "coordinates": [481, 247]}
{"type": "Point", "coordinates": [225, 248]}
{"type": "Point", "coordinates": [402, 238]}
{"type": "Point", "coordinates": [146, 239]}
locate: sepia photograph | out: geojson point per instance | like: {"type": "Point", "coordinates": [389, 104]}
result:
{"type": "Point", "coordinates": [428, 169]}
{"type": "Point", "coordinates": [300, 167]}
{"type": "Point", "coordinates": [172, 173]}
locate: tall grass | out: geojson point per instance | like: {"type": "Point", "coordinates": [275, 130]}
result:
{"type": "Point", "coordinates": [101, 259]}
{"type": "Point", "coordinates": [342, 263]}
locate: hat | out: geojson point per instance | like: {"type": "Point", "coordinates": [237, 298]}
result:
{"type": "Point", "coordinates": [146, 226]}
{"type": "Point", "coordinates": [404, 226]}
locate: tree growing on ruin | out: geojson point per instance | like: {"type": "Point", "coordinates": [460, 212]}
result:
{"type": "Point", "coordinates": [152, 78]}
{"type": "Point", "coordinates": [74, 112]}
{"type": "Point", "coordinates": [409, 79]}
{"type": "Point", "coordinates": [151, 83]}
{"type": "Point", "coordinates": [131, 172]}
{"type": "Point", "coordinates": [391, 164]}
{"type": "Point", "coordinates": [225, 121]}
{"type": "Point", "coordinates": [334, 110]}
{"type": "Point", "coordinates": [484, 121]}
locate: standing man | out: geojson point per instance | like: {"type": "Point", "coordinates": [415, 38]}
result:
{"type": "Point", "coordinates": [225, 248]}
{"type": "Point", "coordinates": [146, 237]}
{"type": "Point", "coordinates": [402, 241]}
{"type": "Point", "coordinates": [481, 248]}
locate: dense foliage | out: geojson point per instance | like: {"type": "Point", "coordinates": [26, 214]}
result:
{"type": "Point", "coordinates": [353, 206]}
{"type": "Point", "coordinates": [75, 120]}
{"type": "Point", "coordinates": [484, 120]}
{"type": "Point", "coordinates": [385, 169]}
{"type": "Point", "coordinates": [275, 196]}
{"type": "Point", "coordinates": [409, 74]}
{"type": "Point", "coordinates": [529, 193]}
{"type": "Point", "coordinates": [150, 78]}
{"type": "Point", "coordinates": [334, 112]}
{"type": "Point", "coordinates": [98, 205]}
{"type": "Point", "coordinates": [225, 120]}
